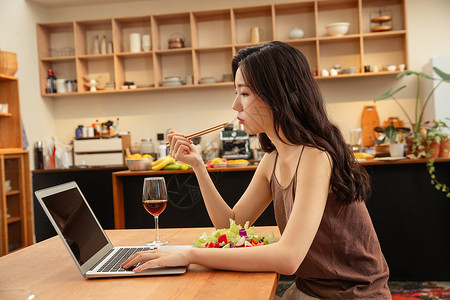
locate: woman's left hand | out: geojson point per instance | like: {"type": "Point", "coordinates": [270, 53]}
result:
{"type": "Point", "coordinates": [157, 257]}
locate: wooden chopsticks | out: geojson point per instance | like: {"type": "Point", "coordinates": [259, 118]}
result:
{"type": "Point", "coordinates": [205, 131]}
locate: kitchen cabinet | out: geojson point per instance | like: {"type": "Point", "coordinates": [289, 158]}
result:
{"type": "Point", "coordinates": [16, 228]}
{"type": "Point", "coordinates": [211, 38]}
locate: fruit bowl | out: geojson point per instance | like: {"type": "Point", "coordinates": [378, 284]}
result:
{"type": "Point", "coordinates": [238, 163]}
{"type": "Point", "coordinates": [338, 28]}
{"type": "Point", "coordinates": [139, 164]}
{"type": "Point", "coordinates": [220, 165]}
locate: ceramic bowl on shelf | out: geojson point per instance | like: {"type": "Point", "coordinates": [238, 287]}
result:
{"type": "Point", "coordinates": [338, 28]}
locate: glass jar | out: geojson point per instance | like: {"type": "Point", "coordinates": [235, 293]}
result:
{"type": "Point", "coordinates": [147, 147]}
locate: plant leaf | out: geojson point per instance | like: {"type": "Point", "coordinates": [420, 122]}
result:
{"type": "Point", "coordinates": [389, 93]}
{"type": "Point", "coordinates": [409, 72]}
{"type": "Point", "coordinates": [405, 73]}
{"type": "Point", "coordinates": [443, 75]}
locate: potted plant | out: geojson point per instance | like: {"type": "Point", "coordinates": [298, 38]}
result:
{"type": "Point", "coordinates": [443, 128]}
{"type": "Point", "coordinates": [427, 144]}
{"type": "Point", "coordinates": [396, 137]}
{"type": "Point", "coordinates": [423, 137]}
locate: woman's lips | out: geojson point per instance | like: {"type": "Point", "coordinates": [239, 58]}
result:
{"type": "Point", "coordinates": [240, 120]}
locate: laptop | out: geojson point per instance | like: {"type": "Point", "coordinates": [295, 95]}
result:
{"type": "Point", "coordinates": [85, 239]}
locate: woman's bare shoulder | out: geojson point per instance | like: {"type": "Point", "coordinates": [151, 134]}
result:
{"type": "Point", "coordinates": [313, 155]}
{"type": "Point", "coordinates": [267, 163]}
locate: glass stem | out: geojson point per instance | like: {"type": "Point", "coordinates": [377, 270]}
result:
{"type": "Point", "coordinates": [157, 228]}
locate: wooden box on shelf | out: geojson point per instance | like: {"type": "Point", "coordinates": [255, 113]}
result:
{"type": "Point", "coordinates": [212, 37]}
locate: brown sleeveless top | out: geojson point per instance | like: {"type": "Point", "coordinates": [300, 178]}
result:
{"type": "Point", "coordinates": [345, 259]}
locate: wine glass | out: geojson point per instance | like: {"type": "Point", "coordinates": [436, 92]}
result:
{"type": "Point", "coordinates": [154, 199]}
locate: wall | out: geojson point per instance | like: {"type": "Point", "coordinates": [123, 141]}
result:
{"type": "Point", "coordinates": [145, 114]}
{"type": "Point", "coordinates": [17, 22]}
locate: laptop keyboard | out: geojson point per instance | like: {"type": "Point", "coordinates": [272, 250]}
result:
{"type": "Point", "coordinates": [113, 264]}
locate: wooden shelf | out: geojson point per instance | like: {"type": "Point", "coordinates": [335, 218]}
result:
{"type": "Point", "coordinates": [11, 220]}
{"type": "Point", "coordinates": [212, 38]}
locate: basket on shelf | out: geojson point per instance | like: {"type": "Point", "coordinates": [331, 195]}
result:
{"type": "Point", "coordinates": [8, 63]}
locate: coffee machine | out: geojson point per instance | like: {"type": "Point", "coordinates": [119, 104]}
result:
{"type": "Point", "coordinates": [235, 144]}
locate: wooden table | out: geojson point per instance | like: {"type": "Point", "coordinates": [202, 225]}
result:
{"type": "Point", "coordinates": [47, 269]}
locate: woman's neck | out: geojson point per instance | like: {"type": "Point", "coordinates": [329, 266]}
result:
{"type": "Point", "coordinates": [285, 148]}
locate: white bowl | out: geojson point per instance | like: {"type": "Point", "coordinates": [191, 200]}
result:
{"type": "Point", "coordinates": [337, 29]}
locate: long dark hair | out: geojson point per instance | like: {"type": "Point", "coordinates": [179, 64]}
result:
{"type": "Point", "coordinates": [280, 75]}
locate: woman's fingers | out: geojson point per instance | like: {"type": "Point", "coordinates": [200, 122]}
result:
{"type": "Point", "coordinates": [157, 257]}
{"type": "Point", "coordinates": [147, 265]}
{"type": "Point", "coordinates": [133, 260]}
{"type": "Point", "coordinates": [180, 146]}
{"type": "Point", "coordinates": [173, 134]}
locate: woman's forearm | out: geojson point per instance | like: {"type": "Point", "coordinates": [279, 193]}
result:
{"type": "Point", "coordinates": [218, 210]}
{"type": "Point", "coordinates": [269, 258]}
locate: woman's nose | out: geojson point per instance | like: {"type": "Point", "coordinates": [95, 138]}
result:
{"type": "Point", "coordinates": [237, 104]}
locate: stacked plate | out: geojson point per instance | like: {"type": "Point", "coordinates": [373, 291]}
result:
{"type": "Point", "coordinates": [172, 80]}
{"type": "Point", "coordinates": [204, 80]}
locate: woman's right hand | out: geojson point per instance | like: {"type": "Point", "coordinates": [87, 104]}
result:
{"type": "Point", "coordinates": [183, 149]}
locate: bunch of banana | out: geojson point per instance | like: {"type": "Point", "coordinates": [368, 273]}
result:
{"type": "Point", "coordinates": [177, 165]}
{"type": "Point", "coordinates": [362, 155]}
{"type": "Point", "coordinates": [162, 162]}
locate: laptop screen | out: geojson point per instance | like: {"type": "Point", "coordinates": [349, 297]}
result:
{"type": "Point", "coordinates": [77, 223]}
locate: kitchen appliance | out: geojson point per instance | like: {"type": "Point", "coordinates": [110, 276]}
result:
{"type": "Point", "coordinates": [235, 144]}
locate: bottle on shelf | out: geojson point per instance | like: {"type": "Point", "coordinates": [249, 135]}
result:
{"type": "Point", "coordinates": [79, 131]}
{"type": "Point", "coordinates": [103, 45]}
{"type": "Point", "coordinates": [51, 82]}
{"type": "Point", "coordinates": [96, 45]}
{"type": "Point", "coordinates": [147, 147]}
{"type": "Point", "coordinates": [38, 155]}
{"type": "Point", "coordinates": [97, 129]}
{"type": "Point", "coordinates": [162, 148]}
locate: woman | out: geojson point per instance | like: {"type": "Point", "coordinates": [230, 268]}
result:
{"type": "Point", "coordinates": [317, 188]}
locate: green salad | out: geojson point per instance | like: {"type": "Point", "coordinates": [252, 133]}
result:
{"type": "Point", "coordinates": [233, 237]}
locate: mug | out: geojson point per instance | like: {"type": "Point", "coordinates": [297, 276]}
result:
{"type": "Point", "coordinates": [61, 85]}
{"type": "Point", "coordinates": [189, 79]}
{"type": "Point", "coordinates": [255, 35]}
{"type": "Point", "coordinates": [3, 108]}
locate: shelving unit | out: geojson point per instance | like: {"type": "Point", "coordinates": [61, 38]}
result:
{"type": "Point", "coordinates": [213, 37]}
{"type": "Point", "coordinates": [16, 229]}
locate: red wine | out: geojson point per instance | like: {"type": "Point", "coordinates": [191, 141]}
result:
{"type": "Point", "coordinates": [155, 207]}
